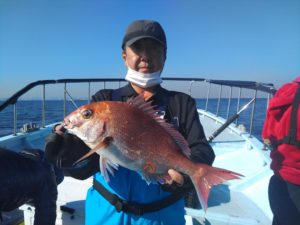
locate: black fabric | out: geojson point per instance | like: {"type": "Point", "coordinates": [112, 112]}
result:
{"type": "Point", "coordinates": [26, 178]}
{"type": "Point", "coordinates": [64, 150]}
{"type": "Point", "coordinates": [291, 138]}
{"type": "Point", "coordinates": [132, 207]}
{"type": "Point", "coordinates": [284, 201]}
{"type": "Point", "coordinates": [39, 155]}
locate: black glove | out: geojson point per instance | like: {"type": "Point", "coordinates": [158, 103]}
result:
{"type": "Point", "coordinates": [64, 150]}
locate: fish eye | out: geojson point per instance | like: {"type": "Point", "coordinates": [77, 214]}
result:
{"type": "Point", "coordinates": [86, 114]}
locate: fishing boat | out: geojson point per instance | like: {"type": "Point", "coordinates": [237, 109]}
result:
{"type": "Point", "coordinates": [228, 111]}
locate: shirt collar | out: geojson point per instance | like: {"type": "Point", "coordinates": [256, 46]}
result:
{"type": "Point", "coordinates": [161, 96]}
{"type": "Point", "coordinates": [128, 91]}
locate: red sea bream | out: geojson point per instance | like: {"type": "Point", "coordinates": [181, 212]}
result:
{"type": "Point", "coordinates": [132, 135]}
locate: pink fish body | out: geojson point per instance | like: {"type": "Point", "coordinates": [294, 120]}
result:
{"type": "Point", "coordinates": [132, 135]}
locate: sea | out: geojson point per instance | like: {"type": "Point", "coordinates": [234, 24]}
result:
{"type": "Point", "coordinates": [30, 111]}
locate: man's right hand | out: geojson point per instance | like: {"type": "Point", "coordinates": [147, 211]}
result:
{"type": "Point", "coordinates": [63, 150]}
{"type": "Point", "coordinates": [59, 129]}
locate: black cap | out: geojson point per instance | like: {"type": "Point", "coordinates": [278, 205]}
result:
{"type": "Point", "coordinates": [144, 29]}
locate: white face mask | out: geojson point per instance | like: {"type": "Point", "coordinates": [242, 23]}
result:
{"type": "Point", "coordinates": [143, 80]}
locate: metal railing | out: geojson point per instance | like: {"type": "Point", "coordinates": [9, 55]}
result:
{"type": "Point", "coordinates": [254, 86]}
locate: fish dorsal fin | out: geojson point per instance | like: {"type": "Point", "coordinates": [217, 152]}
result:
{"type": "Point", "coordinates": [179, 139]}
{"type": "Point", "coordinates": [140, 103]}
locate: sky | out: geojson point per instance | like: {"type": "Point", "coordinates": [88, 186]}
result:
{"type": "Point", "coordinates": [252, 40]}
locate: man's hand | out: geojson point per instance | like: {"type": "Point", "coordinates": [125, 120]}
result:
{"type": "Point", "coordinates": [63, 150]}
{"type": "Point", "coordinates": [175, 176]}
{"type": "Point", "coordinates": [177, 182]}
{"type": "Point", "coordinates": [59, 129]}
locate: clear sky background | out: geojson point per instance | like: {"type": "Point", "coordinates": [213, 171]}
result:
{"type": "Point", "coordinates": [216, 39]}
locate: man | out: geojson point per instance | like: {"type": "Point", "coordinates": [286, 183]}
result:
{"type": "Point", "coordinates": [144, 53]}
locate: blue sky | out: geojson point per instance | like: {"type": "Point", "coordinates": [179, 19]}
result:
{"type": "Point", "coordinates": [217, 39]}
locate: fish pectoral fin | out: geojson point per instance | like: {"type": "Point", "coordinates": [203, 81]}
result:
{"type": "Point", "coordinates": [103, 144]}
{"type": "Point", "coordinates": [107, 165]}
{"type": "Point", "coordinates": [154, 178]}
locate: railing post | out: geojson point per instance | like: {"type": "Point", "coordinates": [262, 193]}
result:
{"type": "Point", "coordinates": [219, 99]}
{"type": "Point", "coordinates": [207, 96]}
{"type": "Point", "coordinates": [65, 99]}
{"type": "Point", "coordinates": [252, 114]}
{"type": "Point", "coordinates": [268, 101]}
{"type": "Point", "coordinates": [238, 105]}
{"type": "Point", "coordinates": [89, 92]}
{"type": "Point", "coordinates": [15, 119]}
{"type": "Point", "coordinates": [229, 102]}
{"type": "Point", "coordinates": [190, 88]}
{"type": "Point", "coordinates": [43, 107]}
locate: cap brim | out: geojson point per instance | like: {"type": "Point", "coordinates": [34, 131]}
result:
{"type": "Point", "coordinates": [133, 40]}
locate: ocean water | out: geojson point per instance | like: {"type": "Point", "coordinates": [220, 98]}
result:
{"type": "Point", "coordinates": [30, 111]}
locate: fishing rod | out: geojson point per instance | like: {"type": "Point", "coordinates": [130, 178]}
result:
{"type": "Point", "coordinates": [72, 100]}
{"type": "Point", "coordinates": [229, 121]}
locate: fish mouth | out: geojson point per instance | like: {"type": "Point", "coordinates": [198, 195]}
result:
{"type": "Point", "coordinates": [64, 124]}
{"type": "Point", "coordinates": [84, 138]}
{"type": "Point", "coordinates": [68, 124]}
{"type": "Point", "coordinates": [71, 130]}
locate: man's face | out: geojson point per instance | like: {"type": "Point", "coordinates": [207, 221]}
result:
{"type": "Point", "coordinates": [145, 56]}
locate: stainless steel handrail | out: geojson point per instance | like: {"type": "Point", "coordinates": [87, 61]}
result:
{"type": "Point", "coordinates": [268, 88]}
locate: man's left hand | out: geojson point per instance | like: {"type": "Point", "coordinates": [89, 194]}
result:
{"type": "Point", "coordinates": [175, 176]}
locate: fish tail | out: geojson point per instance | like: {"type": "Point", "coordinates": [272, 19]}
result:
{"type": "Point", "coordinates": [206, 176]}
